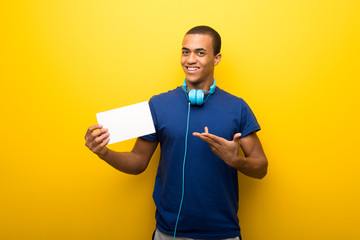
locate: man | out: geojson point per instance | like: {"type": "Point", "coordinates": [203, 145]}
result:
{"type": "Point", "coordinates": [196, 187]}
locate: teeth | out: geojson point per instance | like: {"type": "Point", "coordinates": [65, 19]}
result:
{"type": "Point", "coordinates": [192, 68]}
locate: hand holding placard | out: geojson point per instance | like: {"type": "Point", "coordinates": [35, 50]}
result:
{"type": "Point", "coordinates": [127, 122]}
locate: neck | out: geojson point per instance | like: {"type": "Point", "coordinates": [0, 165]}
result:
{"type": "Point", "coordinates": [202, 85]}
{"type": "Point", "coordinates": [205, 88]}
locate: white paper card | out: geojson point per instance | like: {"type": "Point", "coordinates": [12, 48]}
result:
{"type": "Point", "coordinates": [127, 122]}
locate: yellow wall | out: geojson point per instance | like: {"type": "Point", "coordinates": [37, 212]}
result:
{"type": "Point", "coordinates": [295, 62]}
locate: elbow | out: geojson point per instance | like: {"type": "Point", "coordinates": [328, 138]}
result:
{"type": "Point", "coordinates": [137, 172]}
{"type": "Point", "coordinates": [262, 174]}
{"type": "Point", "coordinates": [134, 170]}
{"type": "Point", "coordinates": [140, 168]}
{"type": "Point", "coordinates": [261, 170]}
{"type": "Point", "coordinates": [258, 168]}
{"type": "Point", "coordinates": [139, 165]}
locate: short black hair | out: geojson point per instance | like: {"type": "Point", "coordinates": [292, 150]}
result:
{"type": "Point", "coordinates": [206, 30]}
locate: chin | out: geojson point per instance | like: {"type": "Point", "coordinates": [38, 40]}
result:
{"type": "Point", "coordinates": [193, 80]}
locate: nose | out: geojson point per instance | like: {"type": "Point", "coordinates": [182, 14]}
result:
{"type": "Point", "coordinates": [192, 58]}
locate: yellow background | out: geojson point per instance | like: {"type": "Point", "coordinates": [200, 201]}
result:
{"type": "Point", "coordinates": [295, 62]}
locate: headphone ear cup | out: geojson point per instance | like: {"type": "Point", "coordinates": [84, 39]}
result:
{"type": "Point", "coordinates": [196, 97]}
{"type": "Point", "coordinates": [192, 96]}
{"type": "Point", "coordinates": [199, 97]}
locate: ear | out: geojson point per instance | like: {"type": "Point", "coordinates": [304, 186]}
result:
{"type": "Point", "coordinates": [217, 59]}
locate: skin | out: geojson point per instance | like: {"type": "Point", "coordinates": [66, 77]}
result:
{"type": "Point", "coordinates": [134, 162]}
{"type": "Point", "coordinates": [198, 62]}
{"type": "Point", "coordinates": [253, 164]}
{"type": "Point", "coordinates": [197, 52]}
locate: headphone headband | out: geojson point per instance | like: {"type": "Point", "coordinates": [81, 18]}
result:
{"type": "Point", "coordinates": [196, 97]}
{"type": "Point", "coordinates": [212, 87]}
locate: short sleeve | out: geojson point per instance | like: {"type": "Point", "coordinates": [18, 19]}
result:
{"type": "Point", "coordinates": [248, 122]}
{"type": "Point", "coordinates": [153, 136]}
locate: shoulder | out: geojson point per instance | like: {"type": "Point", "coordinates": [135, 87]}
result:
{"type": "Point", "coordinates": [167, 98]}
{"type": "Point", "coordinates": [226, 97]}
{"type": "Point", "coordinates": [166, 95]}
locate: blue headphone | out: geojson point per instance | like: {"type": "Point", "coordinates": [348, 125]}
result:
{"type": "Point", "coordinates": [196, 97]}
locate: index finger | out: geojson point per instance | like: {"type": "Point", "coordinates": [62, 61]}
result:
{"type": "Point", "coordinates": [211, 136]}
{"type": "Point", "coordinates": [205, 138]}
{"type": "Point", "coordinates": [92, 128]}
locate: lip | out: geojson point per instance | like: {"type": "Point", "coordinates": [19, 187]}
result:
{"type": "Point", "coordinates": [192, 69]}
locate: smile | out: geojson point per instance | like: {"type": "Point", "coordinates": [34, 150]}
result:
{"type": "Point", "coordinates": [192, 68]}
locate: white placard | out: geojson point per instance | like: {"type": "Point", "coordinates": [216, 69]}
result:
{"type": "Point", "coordinates": [127, 122]}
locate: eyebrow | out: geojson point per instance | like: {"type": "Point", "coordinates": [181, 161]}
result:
{"type": "Point", "coordinates": [198, 49]}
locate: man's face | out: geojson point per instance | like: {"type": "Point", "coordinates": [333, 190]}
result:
{"type": "Point", "coordinates": [197, 58]}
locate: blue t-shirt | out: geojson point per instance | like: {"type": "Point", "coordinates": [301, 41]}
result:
{"type": "Point", "coordinates": [210, 204]}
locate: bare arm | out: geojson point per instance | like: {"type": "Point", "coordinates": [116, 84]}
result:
{"type": "Point", "coordinates": [134, 162]}
{"type": "Point", "coordinates": [253, 164]}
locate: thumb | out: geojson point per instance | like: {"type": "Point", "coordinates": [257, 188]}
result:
{"type": "Point", "coordinates": [237, 138]}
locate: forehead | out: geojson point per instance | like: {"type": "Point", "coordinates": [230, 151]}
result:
{"type": "Point", "coordinates": [195, 41]}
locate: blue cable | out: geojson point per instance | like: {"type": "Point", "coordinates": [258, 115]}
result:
{"type": "Point", "coordinates": [183, 170]}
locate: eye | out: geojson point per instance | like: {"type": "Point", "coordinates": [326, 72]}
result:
{"type": "Point", "coordinates": [200, 53]}
{"type": "Point", "coordinates": [185, 52]}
